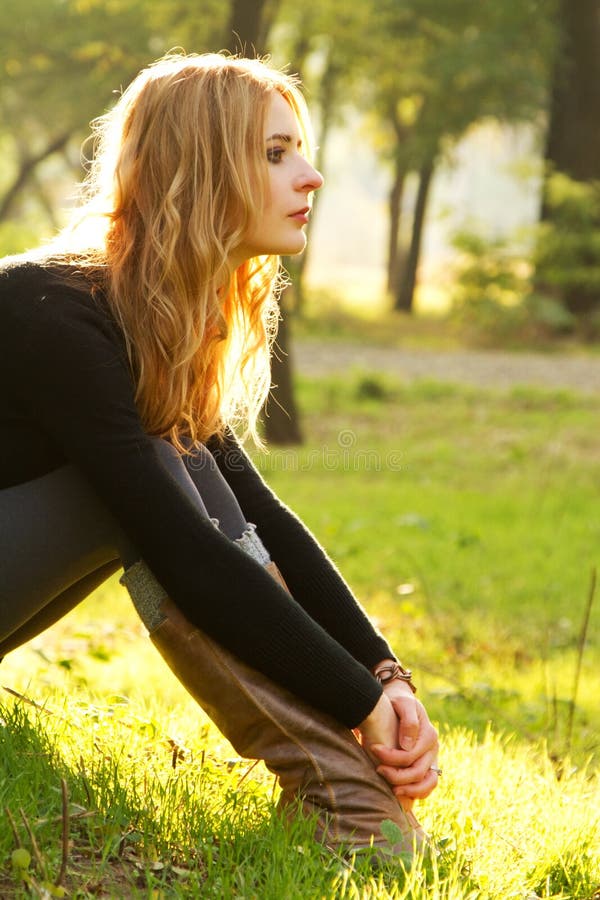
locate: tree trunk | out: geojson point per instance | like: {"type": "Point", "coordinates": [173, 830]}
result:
{"type": "Point", "coordinates": [281, 418]}
{"type": "Point", "coordinates": [406, 289]}
{"type": "Point", "coordinates": [249, 24]}
{"type": "Point", "coordinates": [395, 203]}
{"type": "Point", "coordinates": [395, 211]}
{"type": "Point", "coordinates": [269, 14]}
{"type": "Point", "coordinates": [573, 141]}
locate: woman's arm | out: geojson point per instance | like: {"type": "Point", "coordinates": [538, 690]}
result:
{"type": "Point", "coordinates": [311, 576]}
{"type": "Point", "coordinates": [397, 733]}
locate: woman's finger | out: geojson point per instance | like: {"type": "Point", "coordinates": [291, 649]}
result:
{"type": "Point", "coordinates": [406, 710]}
{"type": "Point", "coordinates": [410, 775]}
{"type": "Point", "coordinates": [418, 791]}
{"type": "Point", "coordinates": [426, 748]}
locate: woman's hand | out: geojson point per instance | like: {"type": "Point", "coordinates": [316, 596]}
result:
{"type": "Point", "coordinates": [408, 766]}
{"type": "Point", "coordinates": [402, 742]}
{"type": "Point", "coordinates": [380, 728]}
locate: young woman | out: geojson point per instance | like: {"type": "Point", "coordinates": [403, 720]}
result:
{"type": "Point", "coordinates": [130, 349]}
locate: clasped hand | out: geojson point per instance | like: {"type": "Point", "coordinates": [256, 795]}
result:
{"type": "Point", "coordinates": [402, 743]}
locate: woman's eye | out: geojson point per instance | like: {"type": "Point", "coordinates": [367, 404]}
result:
{"type": "Point", "coordinates": [275, 154]}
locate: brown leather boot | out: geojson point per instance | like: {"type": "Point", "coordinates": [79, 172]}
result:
{"type": "Point", "coordinates": [321, 767]}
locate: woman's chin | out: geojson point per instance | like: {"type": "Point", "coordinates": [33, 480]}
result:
{"type": "Point", "coordinates": [293, 248]}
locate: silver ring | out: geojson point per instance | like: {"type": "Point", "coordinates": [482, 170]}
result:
{"type": "Point", "coordinates": [435, 769]}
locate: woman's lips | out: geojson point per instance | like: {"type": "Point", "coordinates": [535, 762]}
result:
{"type": "Point", "coordinates": [301, 215]}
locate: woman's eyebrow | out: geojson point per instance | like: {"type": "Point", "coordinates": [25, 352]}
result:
{"type": "Point", "coordinates": [286, 138]}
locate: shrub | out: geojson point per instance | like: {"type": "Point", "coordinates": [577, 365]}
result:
{"type": "Point", "coordinates": [567, 253]}
{"type": "Point", "coordinates": [493, 298]}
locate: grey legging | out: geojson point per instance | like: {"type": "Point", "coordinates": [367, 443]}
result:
{"type": "Point", "coordinates": [58, 542]}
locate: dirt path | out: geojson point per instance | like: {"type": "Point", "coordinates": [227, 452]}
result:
{"type": "Point", "coordinates": [488, 369]}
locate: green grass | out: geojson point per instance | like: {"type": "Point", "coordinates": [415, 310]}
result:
{"type": "Point", "coordinates": [332, 316]}
{"type": "Point", "coordinates": [343, 315]}
{"type": "Point", "coordinates": [467, 522]}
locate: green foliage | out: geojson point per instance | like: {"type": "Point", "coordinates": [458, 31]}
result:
{"type": "Point", "coordinates": [62, 62]}
{"type": "Point", "coordinates": [489, 271]}
{"type": "Point", "coordinates": [430, 71]}
{"type": "Point", "coordinates": [567, 255]}
{"type": "Point", "coordinates": [17, 236]}
{"type": "Point", "coordinates": [500, 296]}
{"type": "Point", "coordinates": [63, 59]}
{"type": "Point", "coordinates": [459, 63]}
{"type": "Point", "coordinates": [492, 298]}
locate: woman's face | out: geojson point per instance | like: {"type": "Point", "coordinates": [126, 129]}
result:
{"type": "Point", "coordinates": [279, 229]}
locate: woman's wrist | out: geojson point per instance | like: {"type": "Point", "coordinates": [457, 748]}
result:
{"type": "Point", "coordinates": [390, 670]}
{"type": "Point", "coordinates": [378, 715]}
{"type": "Point", "coordinates": [382, 662]}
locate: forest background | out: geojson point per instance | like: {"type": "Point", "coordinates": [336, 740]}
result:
{"type": "Point", "coordinates": [488, 584]}
{"type": "Point", "coordinates": [398, 91]}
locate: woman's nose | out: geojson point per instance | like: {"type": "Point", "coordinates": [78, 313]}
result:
{"type": "Point", "coordinates": [310, 179]}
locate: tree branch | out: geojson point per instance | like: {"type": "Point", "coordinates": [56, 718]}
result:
{"type": "Point", "coordinates": [27, 167]}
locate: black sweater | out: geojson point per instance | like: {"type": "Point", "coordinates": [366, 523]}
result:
{"type": "Point", "coordinates": [68, 397]}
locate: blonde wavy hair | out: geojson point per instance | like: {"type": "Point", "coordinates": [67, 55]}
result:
{"type": "Point", "coordinates": [178, 175]}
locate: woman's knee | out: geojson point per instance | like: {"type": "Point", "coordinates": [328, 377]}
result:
{"type": "Point", "coordinates": [198, 473]}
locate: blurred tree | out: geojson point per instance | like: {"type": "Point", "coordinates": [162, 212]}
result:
{"type": "Point", "coordinates": [61, 62]}
{"type": "Point", "coordinates": [324, 41]}
{"type": "Point", "coordinates": [441, 66]}
{"type": "Point", "coordinates": [247, 32]}
{"type": "Point", "coordinates": [319, 39]}
{"type": "Point", "coordinates": [56, 65]}
{"type": "Point", "coordinates": [567, 252]}
{"type": "Point", "coordinates": [249, 24]}
{"type": "Point", "coordinates": [573, 143]}
{"type": "Point", "coordinates": [423, 71]}
{"type": "Point", "coordinates": [573, 150]}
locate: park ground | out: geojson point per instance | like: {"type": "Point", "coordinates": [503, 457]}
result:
{"type": "Point", "coordinates": [458, 492]}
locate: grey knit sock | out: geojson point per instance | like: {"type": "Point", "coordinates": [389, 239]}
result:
{"type": "Point", "coordinates": [146, 593]}
{"type": "Point", "coordinates": [253, 546]}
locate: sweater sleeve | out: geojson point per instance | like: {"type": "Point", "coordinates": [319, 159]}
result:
{"type": "Point", "coordinates": [75, 381]}
{"type": "Point", "coordinates": [312, 577]}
